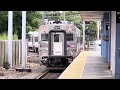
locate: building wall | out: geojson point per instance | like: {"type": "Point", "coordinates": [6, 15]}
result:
{"type": "Point", "coordinates": [117, 47]}
{"type": "Point", "coordinates": [104, 44]}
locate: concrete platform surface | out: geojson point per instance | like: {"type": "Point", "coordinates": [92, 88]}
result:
{"type": "Point", "coordinates": [95, 68]}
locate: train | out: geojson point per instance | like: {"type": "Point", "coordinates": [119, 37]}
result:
{"type": "Point", "coordinates": [33, 41]}
{"type": "Point", "coordinates": [58, 44]}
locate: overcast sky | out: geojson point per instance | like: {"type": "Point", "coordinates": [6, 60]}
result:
{"type": "Point", "coordinates": [60, 11]}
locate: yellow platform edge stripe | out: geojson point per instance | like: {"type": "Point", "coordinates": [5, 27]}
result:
{"type": "Point", "coordinates": [75, 69]}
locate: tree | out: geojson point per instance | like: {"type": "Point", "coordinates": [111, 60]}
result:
{"type": "Point", "coordinates": [33, 21]}
{"type": "Point", "coordinates": [93, 28]}
{"type": "Point", "coordinates": [52, 15]}
{"type": "Point", "coordinates": [3, 21]}
{"type": "Point", "coordinates": [17, 23]}
{"type": "Point", "coordinates": [73, 16]}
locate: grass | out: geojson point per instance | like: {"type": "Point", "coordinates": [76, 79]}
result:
{"type": "Point", "coordinates": [4, 36]}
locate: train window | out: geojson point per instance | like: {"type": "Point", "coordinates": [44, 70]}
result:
{"type": "Point", "coordinates": [56, 37]}
{"type": "Point", "coordinates": [29, 39]}
{"type": "Point", "coordinates": [60, 38]}
{"type": "Point", "coordinates": [44, 37]}
{"type": "Point", "coordinates": [78, 39]}
{"type": "Point", "coordinates": [69, 37]}
{"type": "Point", "coordinates": [36, 39]}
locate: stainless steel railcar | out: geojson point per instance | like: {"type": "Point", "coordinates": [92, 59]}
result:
{"type": "Point", "coordinates": [33, 41]}
{"type": "Point", "coordinates": [59, 44]}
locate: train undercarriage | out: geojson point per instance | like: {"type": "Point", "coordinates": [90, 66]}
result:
{"type": "Point", "coordinates": [59, 62]}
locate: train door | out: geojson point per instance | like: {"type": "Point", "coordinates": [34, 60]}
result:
{"type": "Point", "coordinates": [57, 44]}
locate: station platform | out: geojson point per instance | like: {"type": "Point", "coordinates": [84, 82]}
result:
{"type": "Point", "coordinates": [87, 65]}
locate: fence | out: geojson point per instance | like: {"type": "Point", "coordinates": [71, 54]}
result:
{"type": "Point", "coordinates": [91, 45]}
{"type": "Point", "coordinates": [16, 51]}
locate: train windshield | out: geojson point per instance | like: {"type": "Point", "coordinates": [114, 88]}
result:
{"type": "Point", "coordinates": [44, 37]}
{"type": "Point", "coordinates": [69, 37]}
{"type": "Point", "coordinates": [57, 38]}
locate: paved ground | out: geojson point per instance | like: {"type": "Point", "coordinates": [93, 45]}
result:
{"type": "Point", "coordinates": [95, 68]}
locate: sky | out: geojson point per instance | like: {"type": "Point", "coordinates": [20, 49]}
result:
{"type": "Point", "coordinates": [60, 11]}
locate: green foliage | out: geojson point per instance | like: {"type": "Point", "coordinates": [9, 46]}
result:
{"type": "Point", "coordinates": [4, 36]}
{"type": "Point", "coordinates": [15, 36]}
{"type": "Point", "coordinates": [52, 15]}
{"type": "Point", "coordinates": [93, 28]}
{"type": "Point", "coordinates": [3, 21]}
{"type": "Point", "coordinates": [73, 16]}
{"type": "Point", "coordinates": [17, 23]}
{"type": "Point", "coordinates": [33, 22]}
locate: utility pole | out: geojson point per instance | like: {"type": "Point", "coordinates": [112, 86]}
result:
{"type": "Point", "coordinates": [10, 32]}
{"type": "Point", "coordinates": [83, 35]}
{"type": "Point", "coordinates": [43, 18]}
{"type": "Point", "coordinates": [24, 46]}
{"type": "Point", "coordinates": [23, 38]}
{"type": "Point", "coordinates": [64, 15]}
{"type": "Point", "coordinates": [98, 29]}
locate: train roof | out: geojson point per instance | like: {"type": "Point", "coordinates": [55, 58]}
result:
{"type": "Point", "coordinates": [34, 33]}
{"type": "Point", "coordinates": [59, 22]}
{"type": "Point", "coordinates": [63, 25]}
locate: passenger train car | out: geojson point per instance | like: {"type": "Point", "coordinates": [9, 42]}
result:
{"type": "Point", "coordinates": [59, 44]}
{"type": "Point", "coordinates": [33, 41]}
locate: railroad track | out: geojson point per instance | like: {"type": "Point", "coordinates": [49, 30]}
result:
{"type": "Point", "coordinates": [33, 57]}
{"type": "Point", "coordinates": [48, 74]}
{"type": "Point", "coordinates": [43, 74]}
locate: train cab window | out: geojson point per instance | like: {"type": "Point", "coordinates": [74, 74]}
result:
{"type": "Point", "coordinates": [44, 37]}
{"type": "Point", "coordinates": [36, 39]}
{"type": "Point", "coordinates": [69, 37]}
{"type": "Point", "coordinates": [60, 38]}
{"type": "Point", "coordinates": [56, 37]}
